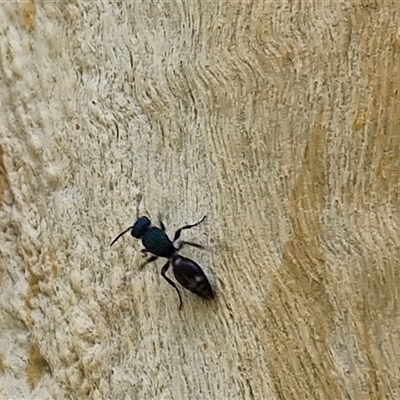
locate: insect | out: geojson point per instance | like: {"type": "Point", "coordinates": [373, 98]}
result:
{"type": "Point", "coordinates": [156, 242]}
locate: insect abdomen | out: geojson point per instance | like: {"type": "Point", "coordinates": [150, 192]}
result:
{"type": "Point", "coordinates": [191, 276]}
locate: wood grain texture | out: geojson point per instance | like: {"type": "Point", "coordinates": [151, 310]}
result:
{"type": "Point", "coordinates": [279, 121]}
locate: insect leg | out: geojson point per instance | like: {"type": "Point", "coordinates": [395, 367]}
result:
{"type": "Point", "coordinates": [148, 261]}
{"type": "Point", "coordinates": [172, 283]}
{"type": "Point", "coordinates": [183, 243]}
{"type": "Point", "coordinates": [161, 223]}
{"type": "Point", "coordinates": [178, 232]}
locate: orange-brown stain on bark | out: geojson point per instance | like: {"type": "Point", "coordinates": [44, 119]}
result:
{"type": "Point", "coordinates": [36, 365]}
{"type": "Point", "coordinates": [28, 14]}
{"type": "Point", "coordinates": [2, 365]}
{"type": "Point", "coordinates": [302, 333]}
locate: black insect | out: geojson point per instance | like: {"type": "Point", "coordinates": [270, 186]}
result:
{"type": "Point", "coordinates": [156, 242]}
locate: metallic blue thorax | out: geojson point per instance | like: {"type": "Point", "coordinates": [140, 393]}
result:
{"type": "Point", "coordinates": [157, 242]}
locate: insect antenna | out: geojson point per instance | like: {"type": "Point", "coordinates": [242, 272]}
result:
{"type": "Point", "coordinates": [138, 200]}
{"type": "Point", "coordinates": [123, 233]}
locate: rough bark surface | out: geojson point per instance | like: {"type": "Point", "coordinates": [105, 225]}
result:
{"type": "Point", "coordinates": [279, 121]}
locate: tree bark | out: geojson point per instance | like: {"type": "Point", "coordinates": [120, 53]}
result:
{"type": "Point", "coordinates": [280, 122]}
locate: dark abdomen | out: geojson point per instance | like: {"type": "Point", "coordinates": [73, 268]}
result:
{"type": "Point", "coordinates": [189, 274]}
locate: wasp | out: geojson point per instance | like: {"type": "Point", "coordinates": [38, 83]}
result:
{"type": "Point", "coordinates": [156, 242]}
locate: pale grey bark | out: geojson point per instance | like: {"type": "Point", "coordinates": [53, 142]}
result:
{"type": "Point", "coordinates": [278, 121]}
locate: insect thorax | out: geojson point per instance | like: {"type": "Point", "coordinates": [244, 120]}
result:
{"type": "Point", "coordinates": [158, 243]}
